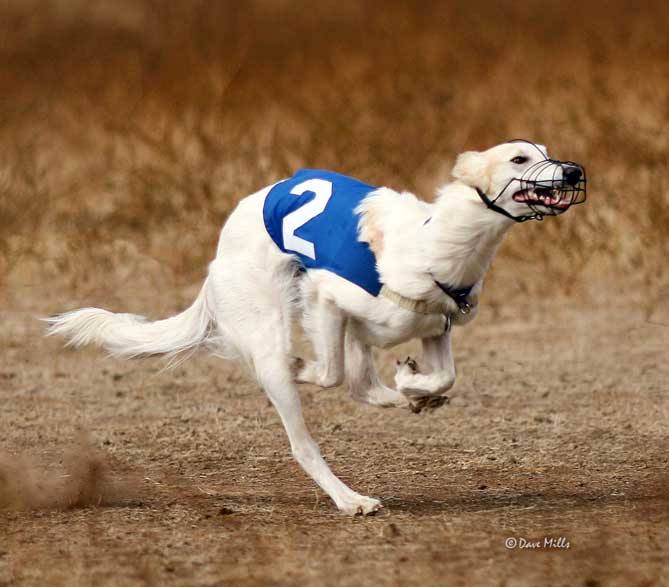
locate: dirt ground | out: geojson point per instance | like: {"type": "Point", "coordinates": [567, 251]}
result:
{"type": "Point", "coordinates": [557, 429]}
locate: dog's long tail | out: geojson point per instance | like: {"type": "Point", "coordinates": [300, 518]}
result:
{"type": "Point", "coordinates": [128, 335]}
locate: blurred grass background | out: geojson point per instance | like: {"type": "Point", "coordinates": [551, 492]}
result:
{"type": "Point", "coordinates": [129, 130]}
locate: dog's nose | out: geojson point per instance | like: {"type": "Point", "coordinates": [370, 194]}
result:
{"type": "Point", "coordinates": [572, 175]}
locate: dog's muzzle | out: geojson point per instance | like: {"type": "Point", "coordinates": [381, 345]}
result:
{"type": "Point", "coordinates": [548, 188]}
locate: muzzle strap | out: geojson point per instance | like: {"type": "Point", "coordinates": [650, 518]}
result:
{"type": "Point", "coordinates": [492, 206]}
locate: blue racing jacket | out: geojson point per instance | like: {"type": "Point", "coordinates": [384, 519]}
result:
{"type": "Point", "coordinates": [311, 215]}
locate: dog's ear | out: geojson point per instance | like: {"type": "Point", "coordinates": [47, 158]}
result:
{"type": "Point", "coordinates": [471, 168]}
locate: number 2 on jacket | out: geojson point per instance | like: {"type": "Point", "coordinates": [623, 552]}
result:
{"type": "Point", "coordinates": [323, 190]}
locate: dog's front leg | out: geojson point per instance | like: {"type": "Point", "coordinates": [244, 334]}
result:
{"type": "Point", "coordinates": [438, 356]}
{"type": "Point", "coordinates": [324, 324]}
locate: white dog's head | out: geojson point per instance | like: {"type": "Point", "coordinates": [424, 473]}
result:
{"type": "Point", "coordinates": [518, 179]}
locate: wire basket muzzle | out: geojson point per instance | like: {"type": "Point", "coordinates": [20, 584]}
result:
{"type": "Point", "coordinates": [551, 187]}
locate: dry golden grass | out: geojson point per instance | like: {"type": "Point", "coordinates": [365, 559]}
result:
{"type": "Point", "coordinates": [128, 134]}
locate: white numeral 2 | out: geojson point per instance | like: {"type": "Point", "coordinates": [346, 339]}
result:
{"type": "Point", "coordinates": [323, 190]}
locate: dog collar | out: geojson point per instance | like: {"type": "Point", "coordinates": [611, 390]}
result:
{"type": "Point", "coordinates": [418, 306]}
{"type": "Point", "coordinates": [459, 296]}
{"type": "Point", "coordinates": [492, 206]}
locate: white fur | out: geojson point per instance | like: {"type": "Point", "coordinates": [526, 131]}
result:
{"type": "Point", "coordinates": [247, 303]}
{"type": "Point", "coordinates": [127, 335]}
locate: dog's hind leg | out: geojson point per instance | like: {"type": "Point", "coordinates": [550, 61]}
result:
{"type": "Point", "coordinates": [324, 325]}
{"type": "Point", "coordinates": [265, 345]}
{"type": "Point", "coordinates": [275, 377]}
{"type": "Point", "coordinates": [364, 383]}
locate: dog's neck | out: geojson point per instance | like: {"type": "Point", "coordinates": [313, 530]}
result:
{"type": "Point", "coordinates": [464, 236]}
{"type": "Point", "coordinates": [415, 244]}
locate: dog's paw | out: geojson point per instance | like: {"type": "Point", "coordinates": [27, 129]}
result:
{"type": "Point", "coordinates": [296, 366]}
{"type": "Point", "coordinates": [427, 403]}
{"type": "Point", "coordinates": [408, 365]}
{"type": "Point", "coordinates": [405, 377]}
{"type": "Point", "coordinates": [382, 397]}
{"type": "Point", "coordinates": [360, 505]}
{"type": "Point", "coordinates": [312, 372]}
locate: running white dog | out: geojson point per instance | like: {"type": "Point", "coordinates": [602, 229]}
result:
{"type": "Point", "coordinates": [369, 267]}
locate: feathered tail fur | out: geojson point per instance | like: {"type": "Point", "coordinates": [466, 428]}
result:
{"type": "Point", "coordinates": [129, 335]}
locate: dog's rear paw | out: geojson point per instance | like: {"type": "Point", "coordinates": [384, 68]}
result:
{"type": "Point", "coordinates": [312, 372]}
{"type": "Point", "coordinates": [360, 506]}
{"type": "Point", "coordinates": [296, 365]}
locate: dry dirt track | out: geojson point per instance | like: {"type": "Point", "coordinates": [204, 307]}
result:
{"type": "Point", "coordinates": [559, 429]}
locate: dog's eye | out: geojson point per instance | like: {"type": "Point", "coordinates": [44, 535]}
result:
{"type": "Point", "coordinates": [519, 160]}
